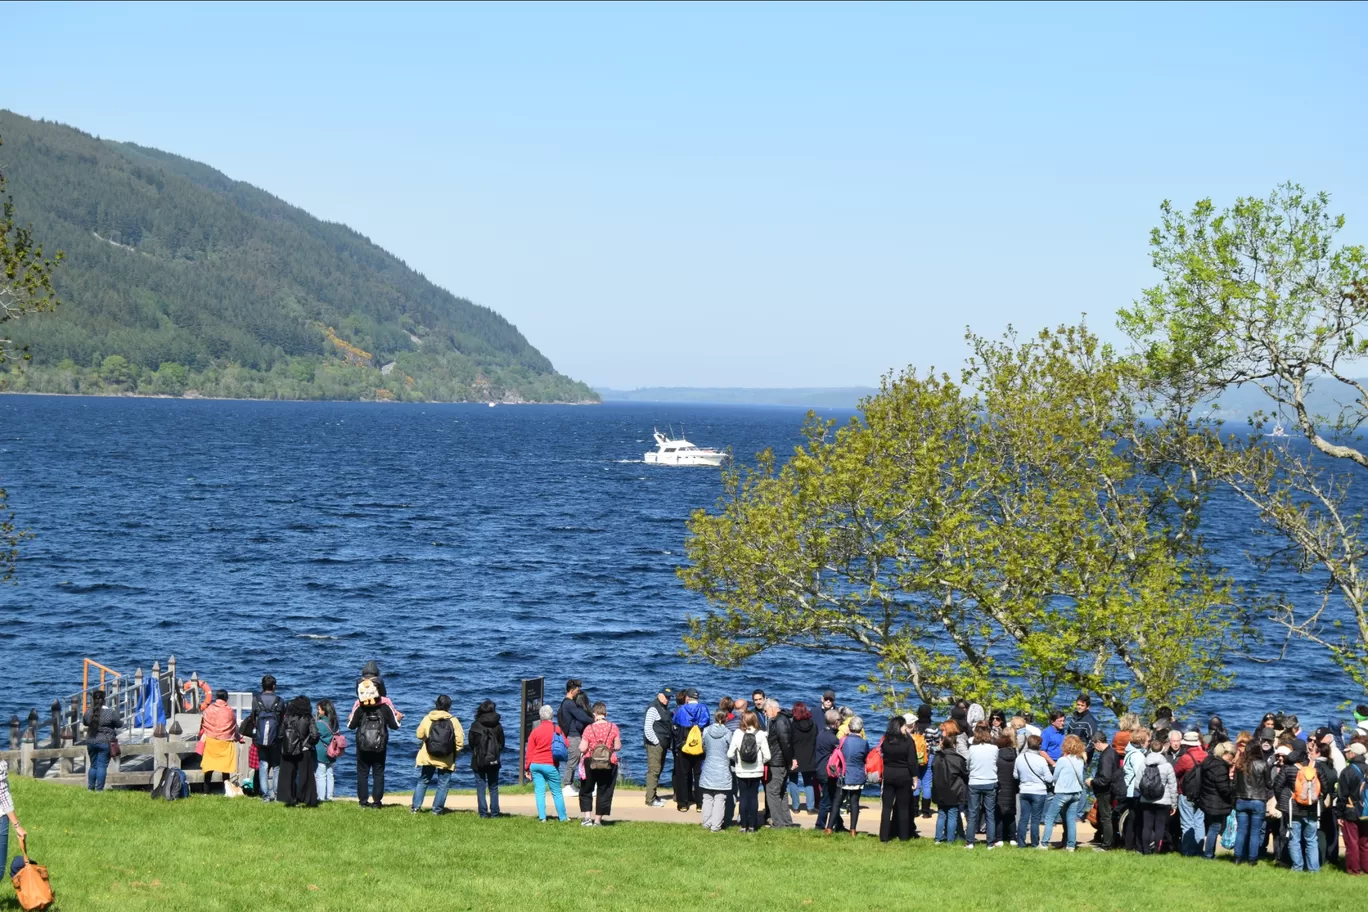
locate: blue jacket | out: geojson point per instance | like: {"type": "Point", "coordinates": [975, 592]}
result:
{"type": "Point", "coordinates": [856, 749]}
{"type": "Point", "coordinates": [1052, 741]}
{"type": "Point", "coordinates": [686, 717]}
{"type": "Point", "coordinates": [716, 773]}
{"type": "Point", "coordinates": [826, 745]}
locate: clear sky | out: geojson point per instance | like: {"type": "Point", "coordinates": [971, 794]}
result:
{"type": "Point", "coordinates": [767, 195]}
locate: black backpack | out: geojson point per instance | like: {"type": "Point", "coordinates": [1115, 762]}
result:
{"type": "Point", "coordinates": [297, 734]}
{"type": "Point", "coordinates": [267, 720]}
{"type": "Point", "coordinates": [749, 750]}
{"type": "Point", "coordinates": [441, 739]}
{"type": "Point", "coordinates": [1151, 785]}
{"type": "Point", "coordinates": [169, 784]}
{"type": "Point", "coordinates": [371, 735]}
{"type": "Point", "coordinates": [487, 757]}
{"type": "Point", "coordinates": [1191, 786]}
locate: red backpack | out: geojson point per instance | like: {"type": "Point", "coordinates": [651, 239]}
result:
{"type": "Point", "coordinates": [874, 765]}
{"type": "Point", "coordinates": [836, 766]}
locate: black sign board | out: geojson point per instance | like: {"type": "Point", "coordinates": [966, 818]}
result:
{"type": "Point", "coordinates": [533, 690]}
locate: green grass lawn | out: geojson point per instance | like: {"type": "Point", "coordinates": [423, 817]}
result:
{"type": "Point", "coordinates": [121, 850]}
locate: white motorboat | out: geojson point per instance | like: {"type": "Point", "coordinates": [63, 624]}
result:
{"type": "Point", "coordinates": [679, 452]}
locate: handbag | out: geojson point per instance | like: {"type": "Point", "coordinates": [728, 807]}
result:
{"type": "Point", "coordinates": [114, 750]}
{"type": "Point", "coordinates": [1228, 834]}
{"type": "Point", "coordinates": [31, 884]}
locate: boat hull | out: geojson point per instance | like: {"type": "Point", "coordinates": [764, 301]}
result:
{"type": "Point", "coordinates": [685, 459]}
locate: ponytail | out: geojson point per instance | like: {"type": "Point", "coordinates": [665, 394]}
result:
{"type": "Point", "coordinates": [97, 701]}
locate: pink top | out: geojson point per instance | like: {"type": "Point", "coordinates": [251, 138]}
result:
{"type": "Point", "coordinates": [604, 732]}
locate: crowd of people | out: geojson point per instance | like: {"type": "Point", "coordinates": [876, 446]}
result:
{"type": "Point", "coordinates": [987, 778]}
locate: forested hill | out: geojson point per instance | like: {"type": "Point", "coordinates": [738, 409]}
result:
{"type": "Point", "coordinates": [180, 280]}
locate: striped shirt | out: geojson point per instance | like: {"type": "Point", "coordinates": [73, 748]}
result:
{"type": "Point", "coordinates": [6, 801]}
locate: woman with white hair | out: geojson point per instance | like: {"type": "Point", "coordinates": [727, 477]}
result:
{"type": "Point", "coordinates": [855, 749]}
{"type": "Point", "coordinates": [542, 764]}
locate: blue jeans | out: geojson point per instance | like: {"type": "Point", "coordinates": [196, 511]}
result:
{"type": "Point", "coordinates": [323, 781]}
{"type": "Point", "coordinates": [1215, 826]}
{"type": "Point", "coordinates": [425, 776]}
{"type": "Point", "coordinates": [982, 801]}
{"type": "Point", "coordinates": [1032, 810]}
{"type": "Point", "coordinates": [267, 778]}
{"type": "Point", "coordinates": [1249, 817]}
{"type": "Point", "coordinates": [925, 789]}
{"type": "Point", "coordinates": [97, 765]}
{"type": "Point", "coordinates": [947, 823]}
{"type": "Point", "coordinates": [1193, 825]}
{"type": "Point", "coordinates": [1303, 843]}
{"type": "Point", "coordinates": [796, 791]}
{"type": "Point", "coordinates": [487, 780]}
{"type": "Point", "coordinates": [1064, 806]}
{"type": "Point", "coordinates": [544, 776]}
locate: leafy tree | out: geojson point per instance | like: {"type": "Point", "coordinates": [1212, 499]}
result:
{"type": "Point", "coordinates": [1261, 294]}
{"type": "Point", "coordinates": [116, 371]}
{"type": "Point", "coordinates": [991, 538]}
{"type": "Point", "coordinates": [25, 288]}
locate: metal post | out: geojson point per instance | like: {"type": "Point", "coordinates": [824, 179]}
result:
{"type": "Point", "coordinates": [169, 699]}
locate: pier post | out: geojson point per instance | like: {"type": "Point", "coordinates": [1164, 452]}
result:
{"type": "Point", "coordinates": [56, 722]}
{"type": "Point", "coordinates": [31, 732]}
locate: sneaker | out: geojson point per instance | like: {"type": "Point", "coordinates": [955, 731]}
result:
{"type": "Point", "coordinates": [586, 822]}
{"type": "Point", "coordinates": [968, 845]}
{"type": "Point", "coordinates": [993, 845]}
{"type": "Point", "coordinates": [1071, 849]}
{"type": "Point", "coordinates": [999, 844]}
{"type": "Point", "coordinates": [1044, 847]}
{"type": "Point", "coordinates": [658, 803]}
{"type": "Point", "coordinates": [571, 791]}
{"type": "Point", "coordinates": [438, 812]}
{"type": "Point", "coordinates": [414, 810]}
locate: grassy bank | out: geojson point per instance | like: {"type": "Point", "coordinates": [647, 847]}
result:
{"type": "Point", "coordinates": [123, 851]}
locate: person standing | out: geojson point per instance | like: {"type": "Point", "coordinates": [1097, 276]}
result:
{"type": "Point", "coordinates": [803, 778]}
{"type": "Point", "coordinates": [1052, 738]}
{"type": "Point", "coordinates": [268, 711]}
{"type": "Point", "coordinates": [328, 726]}
{"type": "Point", "coordinates": [1187, 769]}
{"type": "Point", "coordinates": [855, 749]}
{"type": "Point", "coordinates": [749, 753]}
{"type": "Point", "coordinates": [1069, 787]}
{"type": "Point", "coordinates": [298, 738]}
{"type": "Point", "coordinates": [1083, 723]}
{"type": "Point", "coordinates": [983, 784]}
{"type": "Point", "coordinates": [218, 738]}
{"type": "Point", "coordinates": [486, 756]}
{"type": "Point", "coordinates": [950, 790]}
{"type": "Point", "coordinates": [1252, 787]}
{"type": "Point", "coordinates": [900, 778]}
{"type": "Point", "coordinates": [1132, 767]}
{"type": "Point", "coordinates": [599, 746]}
{"type": "Point", "coordinates": [372, 718]}
{"type": "Point", "coordinates": [1103, 783]}
{"type": "Point", "coordinates": [1034, 779]}
{"type": "Point", "coordinates": [1305, 784]}
{"type": "Point", "coordinates": [688, 746]}
{"type": "Point", "coordinates": [1157, 802]}
{"type": "Point", "coordinates": [1349, 806]}
{"type": "Point", "coordinates": [930, 733]}
{"type": "Point", "coordinates": [824, 747]}
{"type": "Point", "coordinates": [11, 816]}
{"type": "Point", "coordinates": [102, 726]}
{"type": "Point", "coordinates": [440, 739]}
{"type": "Point", "coordinates": [715, 781]}
{"type": "Point", "coordinates": [780, 734]}
{"type": "Point", "coordinates": [1007, 788]}
{"type": "Point", "coordinates": [573, 719]}
{"type": "Point", "coordinates": [758, 703]}
{"type": "Point", "coordinates": [657, 732]}
{"type": "Point", "coordinates": [542, 764]}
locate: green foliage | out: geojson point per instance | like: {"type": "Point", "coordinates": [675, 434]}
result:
{"type": "Point", "coordinates": [1260, 295]}
{"type": "Point", "coordinates": [998, 539]}
{"type": "Point", "coordinates": [171, 261]}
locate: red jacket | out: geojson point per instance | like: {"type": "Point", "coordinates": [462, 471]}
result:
{"type": "Point", "coordinates": [539, 743]}
{"type": "Point", "coordinates": [1191, 757]}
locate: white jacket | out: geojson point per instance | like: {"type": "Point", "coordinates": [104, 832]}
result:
{"type": "Point", "coordinates": [762, 754]}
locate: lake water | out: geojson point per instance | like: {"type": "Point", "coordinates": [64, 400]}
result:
{"type": "Point", "coordinates": [463, 547]}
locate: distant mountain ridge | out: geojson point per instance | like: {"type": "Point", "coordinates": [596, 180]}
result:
{"type": "Point", "coordinates": [846, 397]}
{"type": "Point", "coordinates": [180, 279]}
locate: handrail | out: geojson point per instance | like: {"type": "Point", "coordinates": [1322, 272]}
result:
{"type": "Point", "coordinates": [85, 679]}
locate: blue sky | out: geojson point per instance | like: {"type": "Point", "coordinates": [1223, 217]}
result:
{"type": "Point", "coordinates": [722, 195]}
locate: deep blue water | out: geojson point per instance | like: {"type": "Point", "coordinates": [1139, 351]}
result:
{"type": "Point", "coordinates": [463, 547]}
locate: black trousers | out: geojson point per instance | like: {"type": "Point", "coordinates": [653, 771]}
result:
{"type": "Point", "coordinates": [750, 802]}
{"type": "Point", "coordinates": [1154, 821]}
{"type": "Point", "coordinates": [851, 798]}
{"type": "Point", "coordinates": [1106, 819]}
{"type": "Point", "coordinates": [370, 776]}
{"type": "Point", "coordinates": [1132, 826]}
{"type": "Point", "coordinates": [895, 811]}
{"type": "Point", "coordinates": [1006, 820]}
{"type": "Point", "coordinates": [297, 785]}
{"type": "Point", "coordinates": [686, 771]}
{"type": "Point", "coordinates": [596, 790]}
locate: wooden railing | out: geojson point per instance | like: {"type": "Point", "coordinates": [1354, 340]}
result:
{"type": "Point", "coordinates": [37, 762]}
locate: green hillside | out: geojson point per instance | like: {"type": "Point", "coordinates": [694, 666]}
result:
{"type": "Point", "coordinates": [181, 280]}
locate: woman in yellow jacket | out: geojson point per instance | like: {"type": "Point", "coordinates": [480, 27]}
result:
{"type": "Point", "coordinates": [440, 739]}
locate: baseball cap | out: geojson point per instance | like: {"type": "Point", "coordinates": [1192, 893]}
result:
{"type": "Point", "coordinates": [829, 695]}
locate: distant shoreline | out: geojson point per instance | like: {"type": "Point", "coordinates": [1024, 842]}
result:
{"type": "Point", "coordinates": [198, 398]}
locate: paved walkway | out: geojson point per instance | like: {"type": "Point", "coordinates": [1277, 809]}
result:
{"type": "Point", "coordinates": [630, 804]}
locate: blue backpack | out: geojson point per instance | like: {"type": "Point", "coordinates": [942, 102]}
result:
{"type": "Point", "coordinates": [559, 753]}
